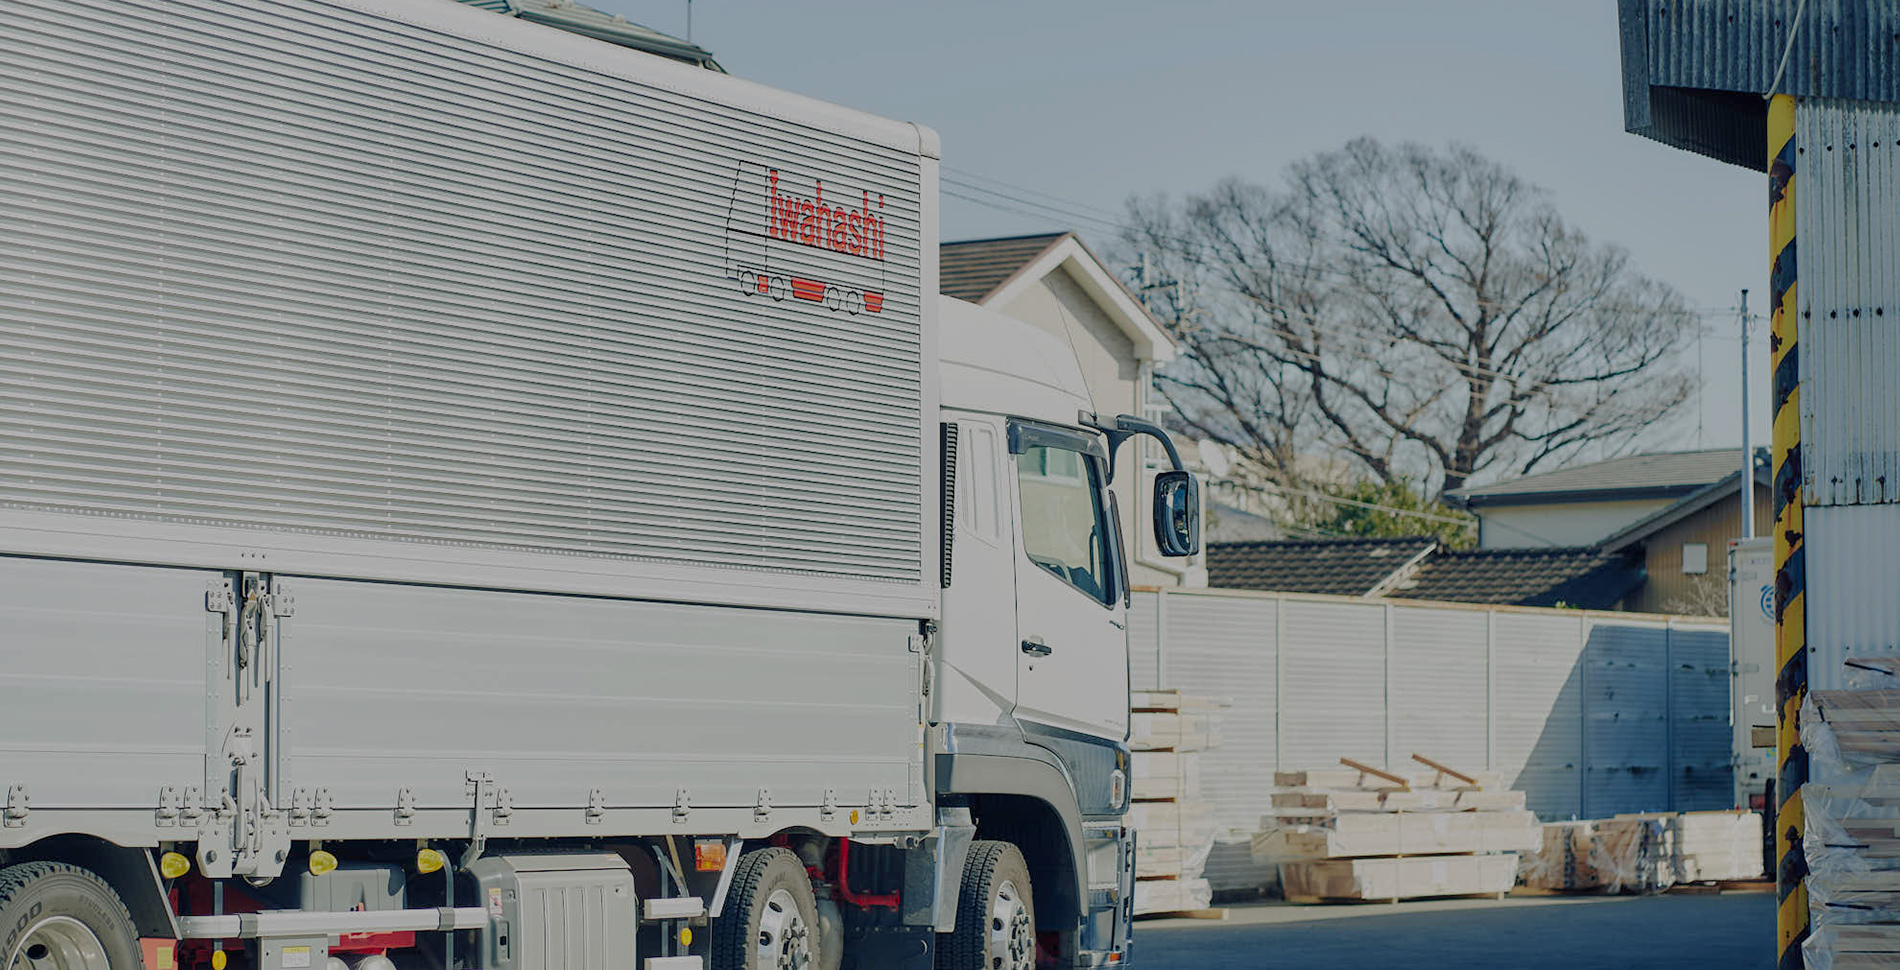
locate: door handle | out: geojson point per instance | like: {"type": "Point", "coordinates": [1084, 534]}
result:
{"type": "Point", "coordinates": [1034, 647]}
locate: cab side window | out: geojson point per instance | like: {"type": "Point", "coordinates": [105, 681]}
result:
{"type": "Point", "coordinates": [1064, 530]}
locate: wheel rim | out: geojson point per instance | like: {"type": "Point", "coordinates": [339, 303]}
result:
{"type": "Point", "coordinates": [784, 936]}
{"type": "Point", "coordinates": [59, 943]}
{"type": "Point", "coordinates": [1012, 933]}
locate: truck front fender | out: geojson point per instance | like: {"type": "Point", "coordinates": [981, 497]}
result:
{"type": "Point", "coordinates": [1009, 793]}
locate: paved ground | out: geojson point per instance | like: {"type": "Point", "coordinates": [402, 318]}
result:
{"type": "Point", "coordinates": [1734, 931]}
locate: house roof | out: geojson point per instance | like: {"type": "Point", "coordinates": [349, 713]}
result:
{"type": "Point", "coordinates": [975, 268]}
{"type": "Point", "coordinates": [1694, 71]}
{"type": "Point", "coordinates": [992, 272]}
{"type": "Point", "coordinates": [1688, 505]}
{"type": "Point", "coordinates": [1342, 567]}
{"type": "Point", "coordinates": [1661, 475]}
{"type": "Point", "coordinates": [1582, 577]}
{"type": "Point", "coordinates": [600, 25]}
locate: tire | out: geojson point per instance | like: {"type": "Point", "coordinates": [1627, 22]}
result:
{"type": "Point", "coordinates": [996, 913]}
{"type": "Point", "coordinates": [65, 915]}
{"type": "Point", "coordinates": [770, 920]}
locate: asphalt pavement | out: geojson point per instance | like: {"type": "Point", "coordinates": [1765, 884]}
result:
{"type": "Point", "coordinates": [1733, 931]}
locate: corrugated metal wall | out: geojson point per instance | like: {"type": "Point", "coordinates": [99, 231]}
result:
{"type": "Point", "coordinates": [1590, 714]}
{"type": "Point", "coordinates": [295, 268]}
{"type": "Point", "coordinates": [1847, 187]}
{"type": "Point", "coordinates": [1848, 228]}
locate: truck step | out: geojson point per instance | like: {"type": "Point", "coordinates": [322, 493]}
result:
{"type": "Point", "coordinates": [675, 963]}
{"type": "Point", "coordinates": [682, 907]}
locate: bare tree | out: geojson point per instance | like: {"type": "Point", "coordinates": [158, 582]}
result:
{"type": "Point", "coordinates": [1703, 596]}
{"type": "Point", "coordinates": [1425, 314]}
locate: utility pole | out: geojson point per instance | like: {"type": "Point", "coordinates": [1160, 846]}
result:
{"type": "Point", "coordinates": [689, 21]}
{"type": "Point", "coordinates": [1748, 449]}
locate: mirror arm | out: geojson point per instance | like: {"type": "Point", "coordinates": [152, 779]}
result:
{"type": "Point", "coordinates": [1125, 427]}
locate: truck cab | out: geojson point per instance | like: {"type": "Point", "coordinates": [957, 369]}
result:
{"type": "Point", "coordinates": [1031, 702]}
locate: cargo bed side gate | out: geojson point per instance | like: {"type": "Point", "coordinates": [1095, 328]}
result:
{"type": "Point", "coordinates": [244, 832]}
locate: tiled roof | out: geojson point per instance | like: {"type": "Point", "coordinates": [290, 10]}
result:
{"type": "Point", "coordinates": [1676, 472]}
{"type": "Point", "coordinates": [1583, 577]}
{"type": "Point", "coordinates": [973, 269]}
{"type": "Point", "coordinates": [1343, 567]}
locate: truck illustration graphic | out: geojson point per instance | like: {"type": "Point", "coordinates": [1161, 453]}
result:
{"type": "Point", "coordinates": [794, 236]}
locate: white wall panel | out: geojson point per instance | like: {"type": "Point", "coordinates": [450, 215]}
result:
{"type": "Point", "coordinates": [1438, 685]}
{"type": "Point", "coordinates": [1334, 696]}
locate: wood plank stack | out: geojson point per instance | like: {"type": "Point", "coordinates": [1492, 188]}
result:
{"type": "Point", "coordinates": [1851, 833]}
{"type": "Point", "coordinates": [1174, 825]}
{"type": "Point", "coordinates": [1359, 832]}
{"type": "Point", "coordinates": [1645, 852]}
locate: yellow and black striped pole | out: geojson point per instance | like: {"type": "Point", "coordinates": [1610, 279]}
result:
{"type": "Point", "coordinates": [1791, 630]}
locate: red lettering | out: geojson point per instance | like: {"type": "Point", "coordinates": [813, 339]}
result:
{"type": "Point", "coordinates": [812, 222]}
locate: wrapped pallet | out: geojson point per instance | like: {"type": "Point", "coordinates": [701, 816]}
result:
{"type": "Point", "coordinates": [1562, 861]}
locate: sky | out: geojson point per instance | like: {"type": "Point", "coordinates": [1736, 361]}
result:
{"type": "Point", "coordinates": [1081, 104]}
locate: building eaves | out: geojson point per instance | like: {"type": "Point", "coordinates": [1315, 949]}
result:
{"type": "Point", "coordinates": [1654, 475]}
{"type": "Point", "coordinates": [972, 269]}
{"type": "Point", "coordinates": [1695, 71]}
{"type": "Point", "coordinates": [1686, 506]}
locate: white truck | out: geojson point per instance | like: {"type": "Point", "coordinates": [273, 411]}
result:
{"type": "Point", "coordinates": [1751, 617]}
{"type": "Point", "coordinates": [476, 497]}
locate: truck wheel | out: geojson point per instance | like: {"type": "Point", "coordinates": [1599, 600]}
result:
{"type": "Point", "coordinates": [996, 913]}
{"type": "Point", "coordinates": [64, 917]}
{"type": "Point", "coordinates": [770, 919]}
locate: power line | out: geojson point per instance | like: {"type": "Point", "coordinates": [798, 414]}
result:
{"type": "Point", "coordinates": [1202, 251]}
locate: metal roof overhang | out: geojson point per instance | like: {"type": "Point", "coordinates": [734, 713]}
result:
{"type": "Point", "coordinates": [1695, 72]}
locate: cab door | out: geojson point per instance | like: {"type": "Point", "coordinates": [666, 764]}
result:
{"type": "Point", "coordinates": [1072, 652]}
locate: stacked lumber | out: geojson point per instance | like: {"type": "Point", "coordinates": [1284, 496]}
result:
{"type": "Point", "coordinates": [1359, 832]}
{"type": "Point", "coordinates": [1648, 852]}
{"type": "Point", "coordinates": [1718, 846]}
{"type": "Point", "coordinates": [1636, 853]}
{"type": "Point", "coordinates": [1174, 824]}
{"type": "Point", "coordinates": [1562, 860]}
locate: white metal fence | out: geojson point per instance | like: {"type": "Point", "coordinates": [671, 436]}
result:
{"type": "Point", "coordinates": [1590, 714]}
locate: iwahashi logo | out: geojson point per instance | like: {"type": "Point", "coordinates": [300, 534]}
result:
{"type": "Point", "coordinates": [825, 246]}
{"type": "Point", "coordinates": [811, 222]}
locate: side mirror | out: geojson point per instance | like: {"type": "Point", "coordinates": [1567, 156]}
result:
{"type": "Point", "coordinates": [1177, 514]}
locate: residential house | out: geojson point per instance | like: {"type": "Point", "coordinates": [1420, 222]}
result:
{"type": "Point", "coordinates": [1056, 283]}
{"type": "Point", "coordinates": [1683, 546]}
{"type": "Point", "coordinates": [1584, 505]}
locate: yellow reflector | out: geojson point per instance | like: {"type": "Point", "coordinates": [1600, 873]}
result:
{"type": "Point", "coordinates": [686, 936]}
{"type": "Point", "coordinates": [854, 816]}
{"type": "Point", "coordinates": [171, 865]}
{"type": "Point", "coordinates": [429, 860]}
{"type": "Point", "coordinates": [709, 855]}
{"type": "Point", "coordinates": [322, 863]}
{"type": "Point", "coordinates": [218, 960]}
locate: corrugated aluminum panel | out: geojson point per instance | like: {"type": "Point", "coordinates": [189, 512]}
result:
{"type": "Point", "coordinates": [298, 268]}
{"type": "Point", "coordinates": [1334, 695]}
{"type": "Point", "coordinates": [1540, 709]}
{"type": "Point", "coordinates": [1224, 646]}
{"type": "Point", "coordinates": [1842, 48]}
{"type": "Point", "coordinates": [1847, 187]}
{"type": "Point", "coordinates": [1438, 695]}
{"type": "Point", "coordinates": [1700, 756]}
{"type": "Point", "coordinates": [1144, 641]}
{"type": "Point", "coordinates": [1626, 718]}
{"type": "Point", "coordinates": [1853, 555]}
{"type": "Point", "coordinates": [1676, 52]}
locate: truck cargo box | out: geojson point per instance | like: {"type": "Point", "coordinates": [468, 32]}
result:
{"type": "Point", "coordinates": [404, 290]}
